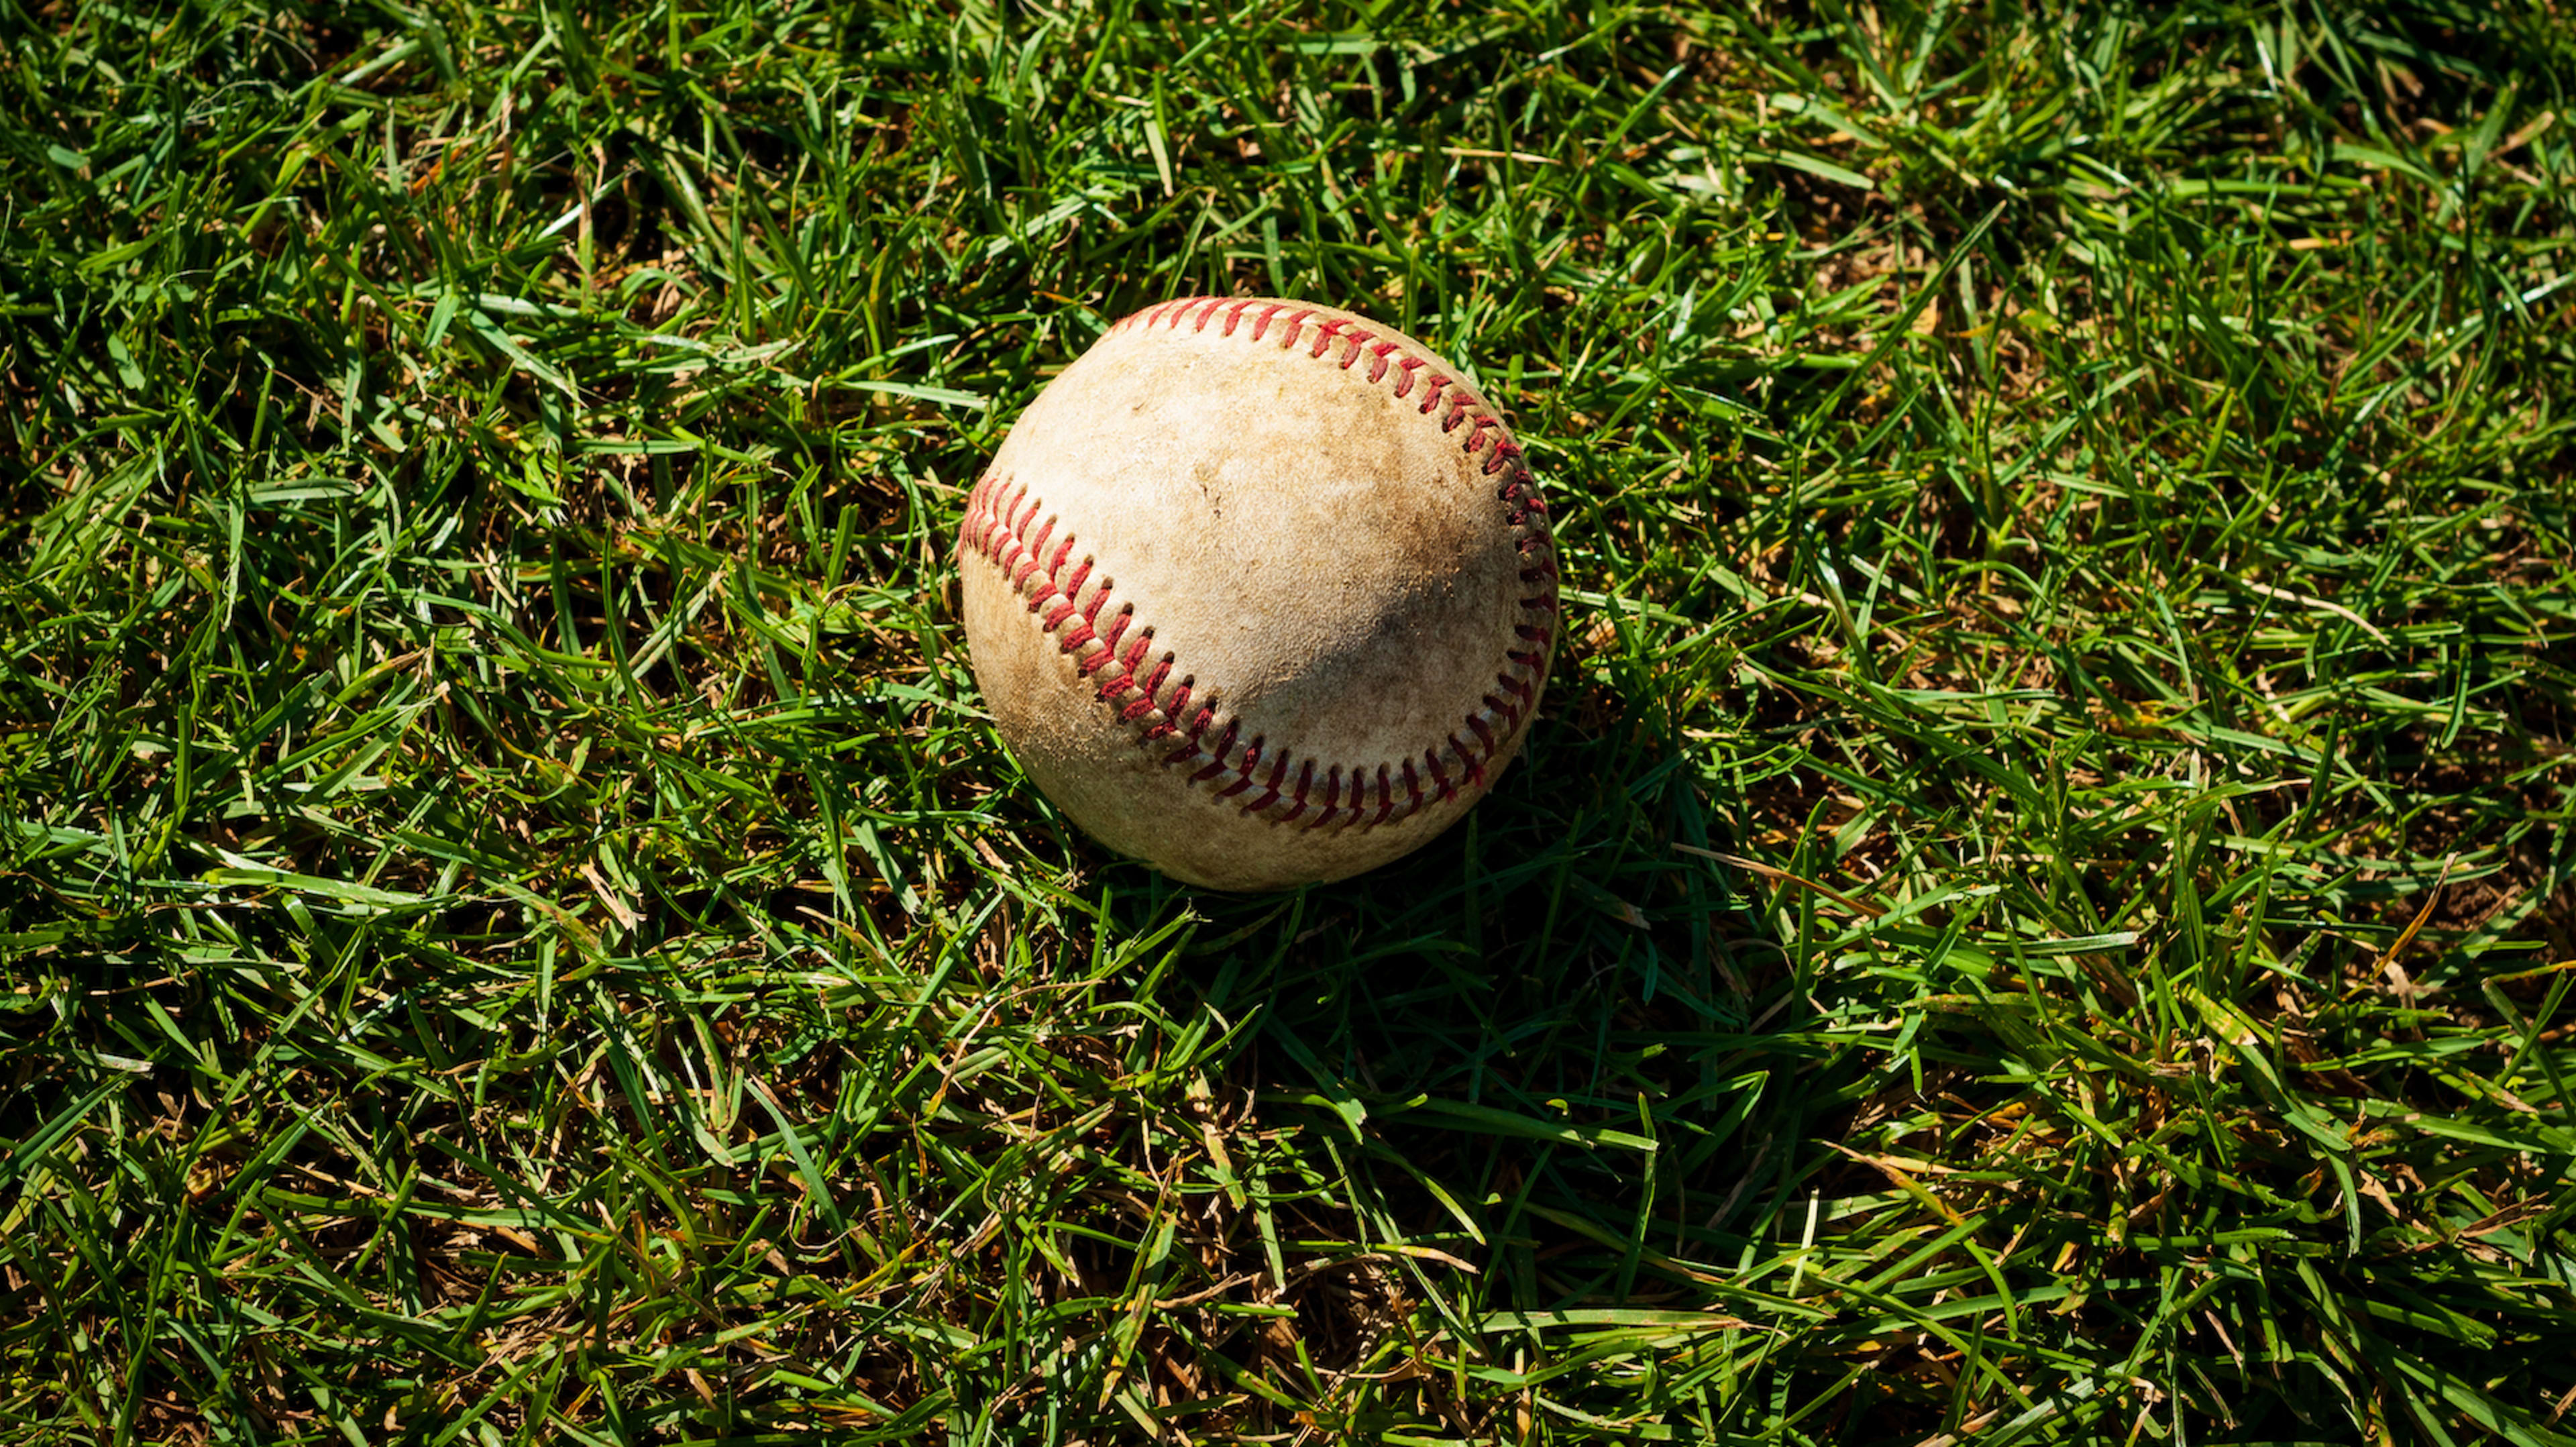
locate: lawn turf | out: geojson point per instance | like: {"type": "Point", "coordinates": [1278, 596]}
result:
{"type": "Point", "coordinates": [2038, 907]}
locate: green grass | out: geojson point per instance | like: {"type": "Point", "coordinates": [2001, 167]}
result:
{"type": "Point", "coordinates": [2038, 909]}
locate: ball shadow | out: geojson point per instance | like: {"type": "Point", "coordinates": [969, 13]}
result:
{"type": "Point", "coordinates": [1562, 1043]}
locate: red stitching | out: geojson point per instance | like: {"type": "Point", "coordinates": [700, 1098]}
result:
{"type": "Point", "coordinates": [997, 526]}
{"type": "Point", "coordinates": [1251, 756]}
{"type": "Point", "coordinates": [1224, 746]}
{"type": "Point", "coordinates": [1332, 804]}
{"type": "Point", "coordinates": [1179, 705]}
{"type": "Point", "coordinates": [1297, 793]}
{"type": "Point", "coordinates": [1086, 667]}
{"type": "Point", "coordinates": [1475, 766]}
{"type": "Point", "coordinates": [1112, 687]}
{"type": "Point", "coordinates": [1483, 731]}
{"type": "Point", "coordinates": [1439, 776]}
{"type": "Point", "coordinates": [1269, 786]}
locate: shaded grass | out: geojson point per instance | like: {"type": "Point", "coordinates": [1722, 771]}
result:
{"type": "Point", "coordinates": [2038, 909]}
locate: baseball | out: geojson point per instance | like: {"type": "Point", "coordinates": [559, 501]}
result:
{"type": "Point", "coordinates": [1259, 592]}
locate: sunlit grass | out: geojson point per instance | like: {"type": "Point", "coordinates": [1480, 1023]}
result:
{"type": "Point", "coordinates": [2037, 908]}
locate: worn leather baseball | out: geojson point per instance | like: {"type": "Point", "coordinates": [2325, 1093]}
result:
{"type": "Point", "coordinates": [1259, 592]}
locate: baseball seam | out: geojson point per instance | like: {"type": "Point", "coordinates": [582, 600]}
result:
{"type": "Point", "coordinates": [1151, 696]}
